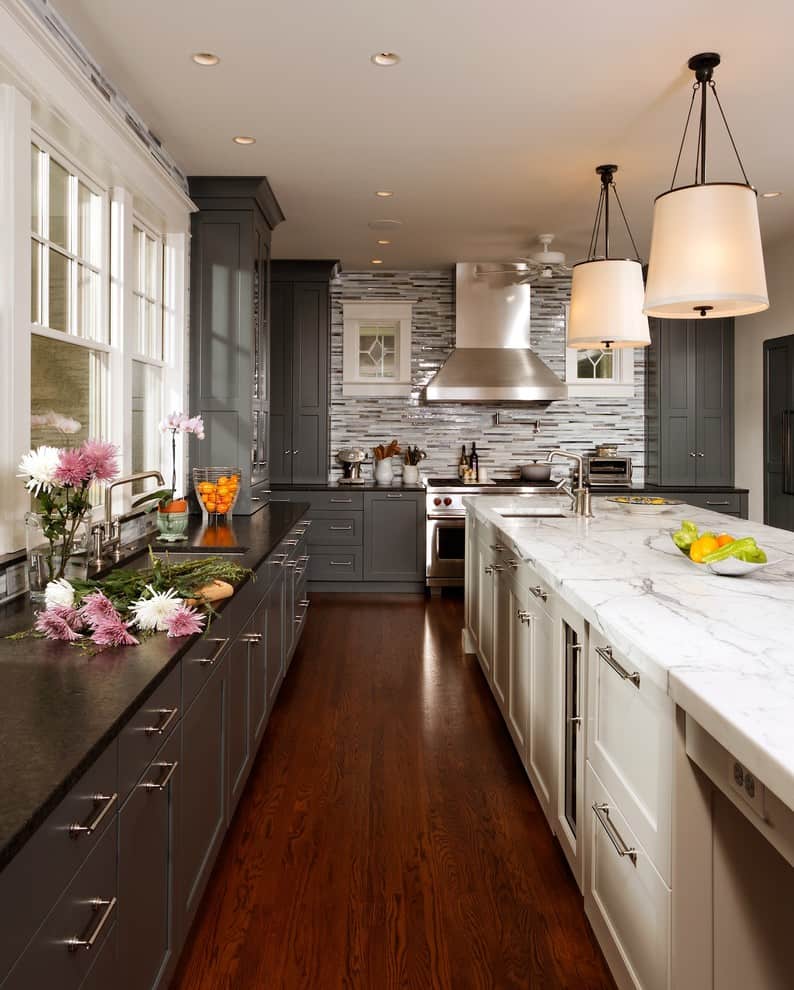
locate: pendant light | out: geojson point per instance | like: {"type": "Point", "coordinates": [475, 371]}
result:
{"type": "Point", "coordinates": [706, 257]}
{"type": "Point", "coordinates": [607, 293]}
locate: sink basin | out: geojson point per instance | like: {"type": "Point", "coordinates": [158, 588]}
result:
{"type": "Point", "coordinates": [532, 514]}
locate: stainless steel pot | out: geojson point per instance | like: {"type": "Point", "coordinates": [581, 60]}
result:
{"type": "Point", "coordinates": [536, 471]}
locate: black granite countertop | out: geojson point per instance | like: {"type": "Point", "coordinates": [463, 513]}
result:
{"type": "Point", "coordinates": [59, 707]}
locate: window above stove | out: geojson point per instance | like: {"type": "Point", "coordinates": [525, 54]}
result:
{"type": "Point", "coordinates": [598, 373]}
{"type": "Point", "coordinates": [377, 348]}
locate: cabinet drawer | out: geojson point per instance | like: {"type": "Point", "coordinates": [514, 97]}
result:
{"type": "Point", "coordinates": [59, 955]}
{"type": "Point", "coordinates": [630, 744]}
{"type": "Point", "coordinates": [626, 901]}
{"type": "Point", "coordinates": [198, 664]}
{"type": "Point", "coordinates": [525, 579]}
{"type": "Point", "coordinates": [144, 734]}
{"type": "Point", "coordinates": [715, 501]}
{"type": "Point", "coordinates": [37, 876]}
{"type": "Point", "coordinates": [327, 564]}
{"type": "Point", "coordinates": [329, 529]}
{"type": "Point", "coordinates": [320, 501]}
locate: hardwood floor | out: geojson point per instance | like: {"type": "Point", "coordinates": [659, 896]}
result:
{"type": "Point", "coordinates": [388, 836]}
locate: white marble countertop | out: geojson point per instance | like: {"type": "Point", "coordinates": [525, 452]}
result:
{"type": "Point", "coordinates": [722, 648]}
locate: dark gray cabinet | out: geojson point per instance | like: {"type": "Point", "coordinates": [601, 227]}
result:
{"type": "Point", "coordinates": [147, 837]}
{"type": "Point", "coordinates": [239, 737]}
{"type": "Point", "coordinates": [300, 371]}
{"type": "Point", "coordinates": [275, 609]}
{"type": "Point", "coordinates": [689, 403]}
{"type": "Point", "coordinates": [202, 807]}
{"type": "Point", "coordinates": [394, 527]}
{"type": "Point", "coordinates": [230, 325]}
{"type": "Point", "coordinates": [779, 432]}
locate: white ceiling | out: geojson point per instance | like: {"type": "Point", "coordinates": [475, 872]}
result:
{"type": "Point", "coordinates": [489, 129]}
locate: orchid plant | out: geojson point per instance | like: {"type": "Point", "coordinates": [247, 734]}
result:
{"type": "Point", "coordinates": [60, 481]}
{"type": "Point", "coordinates": [175, 423]}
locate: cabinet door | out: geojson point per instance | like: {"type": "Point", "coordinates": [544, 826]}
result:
{"type": "Point", "coordinates": [500, 669]}
{"type": "Point", "coordinates": [274, 604]}
{"type": "Point", "coordinates": [519, 659]}
{"type": "Point", "coordinates": [677, 399]}
{"type": "Point", "coordinates": [258, 655]}
{"type": "Point", "coordinates": [238, 714]}
{"type": "Point", "coordinates": [394, 536]}
{"type": "Point", "coordinates": [310, 342]}
{"type": "Point", "coordinates": [714, 376]}
{"type": "Point", "coordinates": [147, 833]}
{"type": "Point", "coordinates": [202, 807]}
{"type": "Point", "coordinates": [281, 383]}
{"type": "Point", "coordinates": [542, 742]}
{"type": "Point", "coordinates": [485, 606]}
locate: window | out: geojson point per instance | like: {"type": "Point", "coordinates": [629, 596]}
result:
{"type": "Point", "coordinates": [377, 349]}
{"type": "Point", "coordinates": [147, 288]}
{"type": "Point", "coordinates": [147, 412]}
{"type": "Point", "coordinates": [69, 333]}
{"type": "Point", "coordinates": [598, 372]}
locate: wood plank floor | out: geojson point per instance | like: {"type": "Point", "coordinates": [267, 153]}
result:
{"type": "Point", "coordinates": [388, 836]}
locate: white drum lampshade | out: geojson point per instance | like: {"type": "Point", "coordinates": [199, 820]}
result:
{"type": "Point", "coordinates": [706, 257]}
{"type": "Point", "coordinates": [606, 305]}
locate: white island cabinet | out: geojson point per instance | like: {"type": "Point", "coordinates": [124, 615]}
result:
{"type": "Point", "coordinates": [650, 703]}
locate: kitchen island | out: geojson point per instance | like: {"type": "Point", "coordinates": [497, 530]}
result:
{"type": "Point", "coordinates": [621, 667]}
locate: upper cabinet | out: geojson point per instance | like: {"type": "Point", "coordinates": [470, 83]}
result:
{"type": "Point", "coordinates": [230, 326]}
{"type": "Point", "coordinates": [300, 371]}
{"type": "Point", "coordinates": [689, 403]}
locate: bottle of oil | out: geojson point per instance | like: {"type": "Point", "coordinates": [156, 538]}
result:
{"type": "Point", "coordinates": [463, 463]}
{"type": "Point", "coordinates": [474, 463]}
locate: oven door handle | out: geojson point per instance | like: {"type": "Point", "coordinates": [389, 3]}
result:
{"type": "Point", "coordinates": [446, 518]}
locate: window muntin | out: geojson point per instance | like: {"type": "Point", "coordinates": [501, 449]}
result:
{"type": "Point", "coordinates": [147, 288]}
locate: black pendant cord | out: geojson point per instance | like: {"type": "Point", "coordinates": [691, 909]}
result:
{"type": "Point", "coordinates": [695, 88]}
{"type": "Point", "coordinates": [628, 229]}
{"type": "Point", "coordinates": [596, 225]}
{"type": "Point", "coordinates": [727, 128]}
{"type": "Point", "coordinates": [602, 213]}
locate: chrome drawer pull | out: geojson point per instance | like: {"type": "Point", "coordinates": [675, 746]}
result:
{"type": "Point", "coordinates": [717, 503]}
{"type": "Point", "coordinates": [497, 567]}
{"type": "Point", "coordinates": [341, 563]}
{"type": "Point", "coordinates": [513, 564]}
{"type": "Point", "coordinates": [291, 563]}
{"type": "Point", "coordinates": [489, 569]}
{"type": "Point", "coordinates": [524, 616]}
{"type": "Point", "coordinates": [340, 529]}
{"type": "Point", "coordinates": [107, 800]}
{"type": "Point", "coordinates": [251, 638]}
{"type": "Point", "coordinates": [538, 592]}
{"type": "Point", "coordinates": [345, 500]}
{"type": "Point", "coordinates": [158, 730]}
{"type": "Point", "coordinates": [602, 814]}
{"type": "Point", "coordinates": [88, 940]}
{"type": "Point", "coordinates": [605, 652]}
{"type": "Point", "coordinates": [498, 548]}
{"type": "Point", "coordinates": [211, 660]}
{"type": "Point", "coordinates": [282, 555]}
{"type": "Point", "coordinates": [305, 603]}
{"type": "Point", "coordinates": [291, 543]}
{"type": "Point", "coordinates": [160, 785]}
{"type": "Point", "coordinates": [392, 495]}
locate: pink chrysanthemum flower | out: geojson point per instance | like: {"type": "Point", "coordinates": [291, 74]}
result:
{"type": "Point", "coordinates": [100, 459]}
{"type": "Point", "coordinates": [69, 614]}
{"type": "Point", "coordinates": [185, 621]}
{"type": "Point", "coordinates": [72, 468]}
{"type": "Point", "coordinates": [113, 631]}
{"type": "Point", "coordinates": [97, 608]}
{"type": "Point", "coordinates": [55, 627]}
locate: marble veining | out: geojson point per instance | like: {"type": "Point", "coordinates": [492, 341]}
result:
{"type": "Point", "coordinates": [722, 648]}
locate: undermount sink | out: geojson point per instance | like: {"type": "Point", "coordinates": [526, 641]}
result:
{"type": "Point", "coordinates": [531, 513]}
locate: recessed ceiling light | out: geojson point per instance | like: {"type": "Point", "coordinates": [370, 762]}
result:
{"type": "Point", "coordinates": [377, 261]}
{"type": "Point", "coordinates": [771, 195]}
{"type": "Point", "coordinates": [384, 58]}
{"type": "Point", "coordinates": [383, 241]}
{"type": "Point", "coordinates": [384, 193]}
{"type": "Point", "coordinates": [244, 139]}
{"type": "Point", "coordinates": [205, 58]}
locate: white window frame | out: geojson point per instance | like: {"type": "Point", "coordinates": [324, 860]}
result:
{"type": "Point", "coordinates": [158, 299]}
{"type": "Point", "coordinates": [620, 385]}
{"type": "Point", "coordinates": [356, 313]}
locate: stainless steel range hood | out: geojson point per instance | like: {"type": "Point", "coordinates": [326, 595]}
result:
{"type": "Point", "coordinates": [492, 360]}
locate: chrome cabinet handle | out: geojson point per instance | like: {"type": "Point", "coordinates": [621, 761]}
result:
{"type": "Point", "coordinates": [287, 452]}
{"type": "Point", "coordinates": [393, 495]}
{"type": "Point", "coordinates": [498, 547]}
{"type": "Point", "coordinates": [345, 500]}
{"type": "Point", "coordinates": [251, 638]}
{"type": "Point", "coordinates": [489, 569]}
{"type": "Point", "coordinates": [341, 563]}
{"type": "Point", "coordinates": [211, 660]}
{"type": "Point", "coordinates": [605, 652]}
{"type": "Point", "coordinates": [160, 785]}
{"type": "Point", "coordinates": [692, 453]}
{"type": "Point", "coordinates": [158, 730]}
{"type": "Point", "coordinates": [255, 498]}
{"type": "Point", "coordinates": [107, 801]}
{"type": "Point", "coordinates": [538, 592]}
{"type": "Point", "coordinates": [513, 564]}
{"type": "Point", "coordinates": [523, 616]}
{"type": "Point", "coordinates": [90, 937]}
{"type": "Point", "coordinates": [602, 814]}
{"type": "Point", "coordinates": [340, 529]}
{"type": "Point", "coordinates": [291, 543]}
{"type": "Point", "coordinates": [496, 567]}
{"type": "Point", "coordinates": [304, 602]}
{"type": "Point", "coordinates": [575, 720]}
{"type": "Point", "coordinates": [701, 454]}
{"type": "Point", "coordinates": [717, 503]}
{"type": "Point", "coordinates": [295, 451]}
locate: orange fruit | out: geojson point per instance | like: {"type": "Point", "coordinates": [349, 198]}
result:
{"type": "Point", "coordinates": [724, 539]}
{"type": "Point", "coordinates": [178, 505]}
{"type": "Point", "coordinates": [700, 548]}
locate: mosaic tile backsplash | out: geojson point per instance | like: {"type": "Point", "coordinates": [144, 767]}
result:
{"type": "Point", "coordinates": [577, 424]}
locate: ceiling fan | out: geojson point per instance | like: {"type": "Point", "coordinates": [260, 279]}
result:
{"type": "Point", "coordinates": [539, 265]}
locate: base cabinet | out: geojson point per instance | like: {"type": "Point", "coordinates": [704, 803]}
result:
{"type": "Point", "coordinates": [239, 736]}
{"type": "Point", "coordinates": [542, 742]}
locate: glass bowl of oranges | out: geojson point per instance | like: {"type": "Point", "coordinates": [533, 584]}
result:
{"type": "Point", "coordinates": [217, 489]}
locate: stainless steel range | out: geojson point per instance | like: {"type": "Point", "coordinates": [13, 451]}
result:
{"type": "Point", "coordinates": [446, 522]}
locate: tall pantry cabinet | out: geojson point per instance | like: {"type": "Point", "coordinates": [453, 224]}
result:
{"type": "Point", "coordinates": [230, 327]}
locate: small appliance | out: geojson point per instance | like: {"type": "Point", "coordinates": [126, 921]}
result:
{"type": "Point", "coordinates": [608, 468]}
{"type": "Point", "coordinates": [351, 459]}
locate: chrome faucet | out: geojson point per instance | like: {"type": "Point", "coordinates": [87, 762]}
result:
{"type": "Point", "coordinates": [107, 534]}
{"type": "Point", "coordinates": [580, 495]}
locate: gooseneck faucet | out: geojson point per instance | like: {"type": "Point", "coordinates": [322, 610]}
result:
{"type": "Point", "coordinates": [107, 534]}
{"type": "Point", "coordinates": [580, 495]}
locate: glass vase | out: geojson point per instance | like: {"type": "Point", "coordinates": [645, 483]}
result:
{"type": "Point", "coordinates": [64, 557]}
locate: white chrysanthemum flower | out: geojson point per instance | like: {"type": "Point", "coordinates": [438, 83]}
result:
{"type": "Point", "coordinates": [155, 611]}
{"type": "Point", "coordinates": [39, 467]}
{"type": "Point", "coordinates": [59, 592]}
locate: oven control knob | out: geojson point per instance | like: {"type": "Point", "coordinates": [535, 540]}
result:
{"type": "Point", "coordinates": [436, 501]}
{"type": "Point", "coordinates": [447, 501]}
